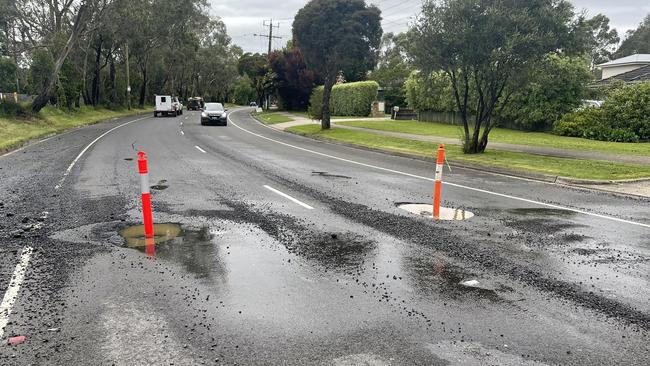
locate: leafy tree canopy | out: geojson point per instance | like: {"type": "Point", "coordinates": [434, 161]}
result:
{"type": "Point", "coordinates": [337, 36]}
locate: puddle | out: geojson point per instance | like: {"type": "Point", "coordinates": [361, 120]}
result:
{"type": "Point", "coordinates": [134, 235]}
{"type": "Point", "coordinates": [446, 214]}
{"type": "Point", "coordinates": [160, 186]}
{"type": "Point", "coordinates": [328, 175]}
{"type": "Point", "coordinates": [193, 248]}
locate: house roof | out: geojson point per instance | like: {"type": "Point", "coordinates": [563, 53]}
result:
{"type": "Point", "coordinates": [634, 76]}
{"type": "Point", "coordinates": [639, 58]}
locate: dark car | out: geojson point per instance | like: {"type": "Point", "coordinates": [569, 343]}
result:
{"type": "Point", "coordinates": [214, 114]}
{"type": "Point", "coordinates": [194, 104]}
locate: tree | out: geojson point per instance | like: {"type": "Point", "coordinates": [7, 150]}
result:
{"type": "Point", "coordinates": [556, 88]}
{"type": "Point", "coordinates": [7, 75]}
{"type": "Point", "coordinates": [256, 67]}
{"type": "Point", "coordinates": [490, 46]}
{"type": "Point", "coordinates": [392, 68]}
{"type": "Point", "coordinates": [637, 40]}
{"type": "Point", "coordinates": [243, 92]}
{"type": "Point", "coordinates": [601, 40]}
{"type": "Point", "coordinates": [294, 80]}
{"type": "Point", "coordinates": [337, 36]}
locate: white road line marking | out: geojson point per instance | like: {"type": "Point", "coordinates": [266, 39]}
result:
{"type": "Point", "coordinates": [14, 286]}
{"type": "Point", "coordinates": [201, 150]}
{"type": "Point", "coordinates": [446, 183]}
{"type": "Point", "coordinates": [67, 171]}
{"type": "Point", "coordinates": [182, 133]}
{"type": "Point", "coordinates": [289, 197]}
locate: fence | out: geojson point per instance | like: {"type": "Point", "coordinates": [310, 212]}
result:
{"type": "Point", "coordinates": [21, 97]}
{"type": "Point", "coordinates": [454, 118]}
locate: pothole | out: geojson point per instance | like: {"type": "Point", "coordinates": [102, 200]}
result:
{"type": "Point", "coordinates": [134, 235]}
{"type": "Point", "coordinates": [446, 213]}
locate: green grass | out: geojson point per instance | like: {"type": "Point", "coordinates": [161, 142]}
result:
{"type": "Point", "coordinates": [508, 136]}
{"type": "Point", "coordinates": [306, 115]}
{"type": "Point", "coordinates": [14, 132]}
{"type": "Point", "coordinates": [271, 118]}
{"type": "Point", "coordinates": [564, 167]}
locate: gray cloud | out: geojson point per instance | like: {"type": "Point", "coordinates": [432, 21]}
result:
{"type": "Point", "coordinates": [244, 18]}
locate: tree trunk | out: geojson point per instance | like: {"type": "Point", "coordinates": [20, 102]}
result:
{"type": "Point", "coordinates": [111, 82]}
{"type": "Point", "coordinates": [95, 85]}
{"type": "Point", "coordinates": [143, 87]}
{"type": "Point", "coordinates": [325, 111]}
{"type": "Point", "coordinates": [44, 96]}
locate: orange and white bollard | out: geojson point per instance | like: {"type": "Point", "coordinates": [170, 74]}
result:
{"type": "Point", "coordinates": [150, 247]}
{"type": "Point", "coordinates": [147, 212]}
{"type": "Point", "coordinates": [437, 190]}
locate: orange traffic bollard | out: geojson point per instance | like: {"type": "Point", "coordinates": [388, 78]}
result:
{"type": "Point", "coordinates": [150, 247]}
{"type": "Point", "coordinates": [147, 212]}
{"type": "Point", "coordinates": [438, 182]}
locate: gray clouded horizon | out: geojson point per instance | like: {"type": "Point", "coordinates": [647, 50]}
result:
{"type": "Point", "coordinates": [244, 18]}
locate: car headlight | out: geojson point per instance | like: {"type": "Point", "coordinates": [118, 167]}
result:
{"type": "Point", "coordinates": [223, 114]}
{"type": "Point", "coordinates": [204, 115]}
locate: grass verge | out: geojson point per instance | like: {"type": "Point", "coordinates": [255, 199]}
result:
{"type": "Point", "coordinates": [508, 136]}
{"type": "Point", "coordinates": [564, 167]}
{"type": "Point", "coordinates": [16, 131]}
{"type": "Point", "coordinates": [271, 118]}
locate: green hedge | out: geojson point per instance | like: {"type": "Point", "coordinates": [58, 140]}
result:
{"type": "Point", "coordinates": [624, 117]}
{"type": "Point", "coordinates": [350, 99]}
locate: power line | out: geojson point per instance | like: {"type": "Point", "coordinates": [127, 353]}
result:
{"type": "Point", "coordinates": [271, 37]}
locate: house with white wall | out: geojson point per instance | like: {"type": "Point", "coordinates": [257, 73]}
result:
{"type": "Point", "coordinates": [630, 69]}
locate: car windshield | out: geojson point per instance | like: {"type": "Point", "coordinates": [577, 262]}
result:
{"type": "Point", "coordinates": [214, 107]}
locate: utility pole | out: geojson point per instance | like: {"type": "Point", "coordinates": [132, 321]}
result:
{"type": "Point", "coordinates": [270, 36]}
{"type": "Point", "coordinates": [128, 80]}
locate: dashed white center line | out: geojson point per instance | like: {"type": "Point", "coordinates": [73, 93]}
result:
{"type": "Point", "coordinates": [201, 150]}
{"type": "Point", "coordinates": [11, 294]}
{"type": "Point", "coordinates": [182, 133]}
{"type": "Point", "coordinates": [289, 197]}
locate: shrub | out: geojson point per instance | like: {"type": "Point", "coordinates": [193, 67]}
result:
{"type": "Point", "coordinates": [10, 108]}
{"type": "Point", "coordinates": [556, 88]}
{"type": "Point", "coordinates": [624, 117]}
{"type": "Point", "coordinates": [575, 124]}
{"type": "Point", "coordinates": [628, 108]}
{"type": "Point", "coordinates": [350, 99]}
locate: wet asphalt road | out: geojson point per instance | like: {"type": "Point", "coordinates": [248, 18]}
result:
{"type": "Point", "coordinates": [340, 277]}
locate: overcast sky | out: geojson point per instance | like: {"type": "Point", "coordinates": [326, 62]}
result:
{"type": "Point", "coordinates": [244, 18]}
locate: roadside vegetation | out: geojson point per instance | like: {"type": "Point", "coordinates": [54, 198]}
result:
{"type": "Point", "coordinates": [564, 167]}
{"type": "Point", "coordinates": [271, 117]}
{"type": "Point", "coordinates": [14, 131]}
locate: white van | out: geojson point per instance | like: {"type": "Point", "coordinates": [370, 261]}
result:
{"type": "Point", "coordinates": [166, 105]}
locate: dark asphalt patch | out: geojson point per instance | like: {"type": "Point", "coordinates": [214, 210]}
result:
{"type": "Point", "coordinates": [160, 186]}
{"type": "Point", "coordinates": [338, 251]}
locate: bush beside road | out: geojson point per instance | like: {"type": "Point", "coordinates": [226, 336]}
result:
{"type": "Point", "coordinates": [563, 167]}
{"type": "Point", "coordinates": [16, 131]}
